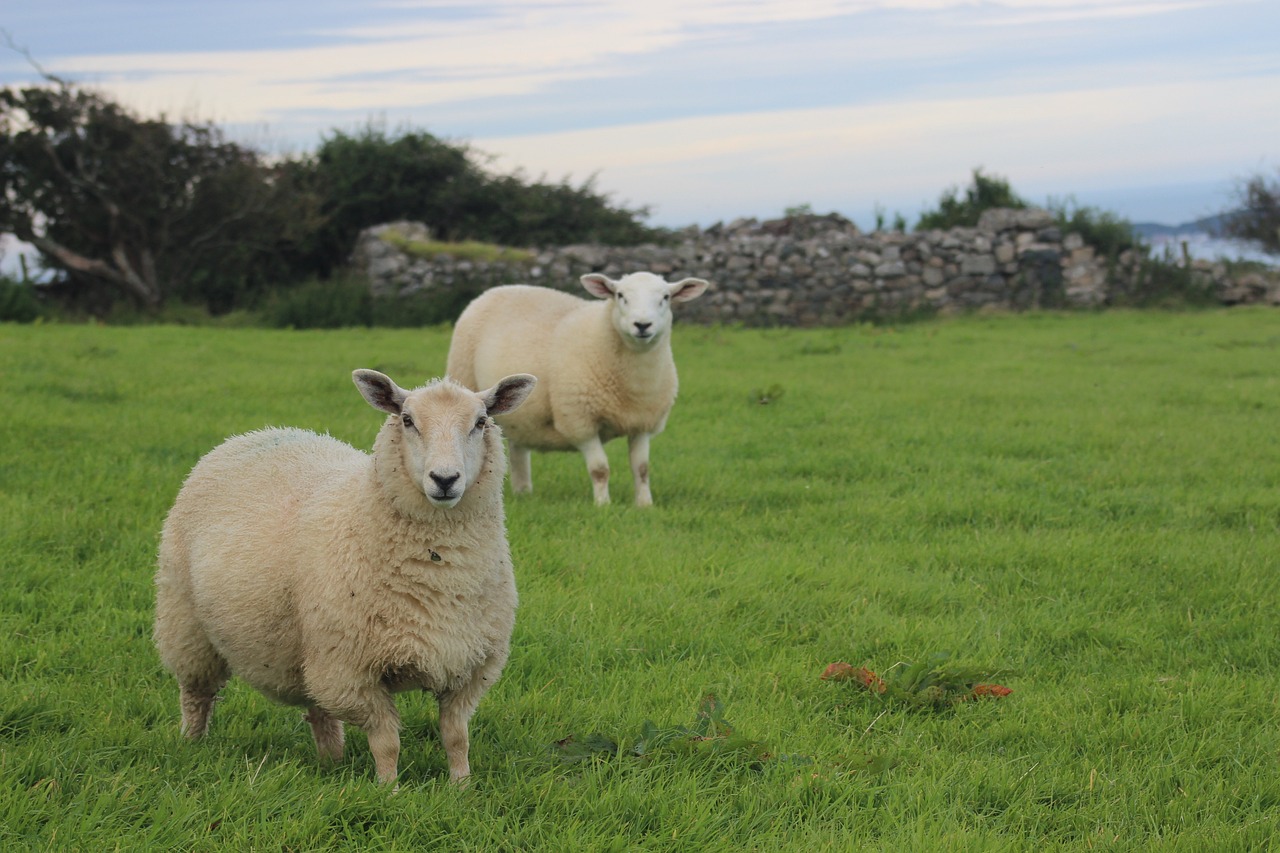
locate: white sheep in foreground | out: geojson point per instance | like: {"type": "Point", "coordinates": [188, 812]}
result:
{"type": "Point", "coordinates": [331, 579]}
{"type": "Point", "coordinates": [604, 369]}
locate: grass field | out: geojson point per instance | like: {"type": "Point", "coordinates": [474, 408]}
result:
{"type": "Point", "coordinates": [1087, 503]}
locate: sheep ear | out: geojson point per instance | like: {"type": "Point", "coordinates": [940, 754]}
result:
{"type": "Point", "coordinates": [689, 288]}
{"type": "Point", "coordinates": [599, 285]}
{"type": "Point", "coordinates": [380, 391]}
{"type": "Point", "coordinates": [508, 394]}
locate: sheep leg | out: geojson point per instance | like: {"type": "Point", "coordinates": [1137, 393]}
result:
{"type": "Point", "coordinates": [521, 469]}
{"type": "Point", "coordinates": [456, 709]}
{"type": "Point", "coordinates": [383, 730]}
{"type": "Point", "coordinates": [326, 729]}
{"type": "Point", "coordinates": [597, 467]}
{"type": "Point", "coordinates": [638, 450]}
{"type": "Point", "coordinates": [197, 701]}
{"type": "Point", "coordinates": [186, 651]}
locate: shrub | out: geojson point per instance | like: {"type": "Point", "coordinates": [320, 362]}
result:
{"type": "Point", "coordinates": [1107, 232]}
{"type": "Point", "coordinates": [18, 302]}
{"type": "Point", "coordinates": [1258, 218]}
{"type": "Point", "coordinates": [333, 304]}
{"type": "Point", "coordinates": [987, 192]}
{"type": "Point", "coordinates": [427, 308]}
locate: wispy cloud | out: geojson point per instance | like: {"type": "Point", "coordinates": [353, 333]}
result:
{"type": "Point", "coordinates": [499, 49]}
{"type": "Point", "coordinates": [703, 107]}
{"type": "Point", "coordinates": [902, 155]}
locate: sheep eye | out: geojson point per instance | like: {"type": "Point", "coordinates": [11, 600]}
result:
{"type": "Point", "coordinates": [407, 421]}
{"type": "Point", "coordinates": [482, 422]}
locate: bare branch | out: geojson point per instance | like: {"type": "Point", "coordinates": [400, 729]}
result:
{"type": "Point", "coordinates": [26, 54]}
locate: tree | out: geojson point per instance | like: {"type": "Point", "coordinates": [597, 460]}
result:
{"type": "Point", "coordinates": [1258, 217]}
{"type": "Point", "coordinates": [987, 192]}
{"type": "Point", "coordinates": [146, 208]}
{"type": "Point", "coordinates": [370, 177]}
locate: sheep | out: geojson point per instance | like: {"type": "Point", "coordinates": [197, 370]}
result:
{"type": "Point", "coordinates": [331, 579]}
{"type": "Point", "coordinates": [604, 368]}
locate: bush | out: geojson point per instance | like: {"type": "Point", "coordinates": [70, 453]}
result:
{"type": "Point", "coordinates": [18, 302]}
{"type": "Point", "coordinates": [1107, 232]}
{"type": "Point", "coordinates": [1258, 218]}
{"type": "Point", "coordinates": [422, 309]}
{"type": "Point", "coordinates": [333, 304]}
{"type": "Point", "coordinates": [346, 302]}
{"type": "Point", "coordinates": [987, 192]}
{"type": "Point", "coordinates": [1161, 282]}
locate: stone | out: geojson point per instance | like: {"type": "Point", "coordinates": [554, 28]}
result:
{"type": "Point", "coordinates": [1009, 219]}
{"type": "Point", "coordinates": [978, 265]}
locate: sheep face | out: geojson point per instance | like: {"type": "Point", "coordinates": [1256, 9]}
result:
{"type": "Point", "coordinates": [443, 428]}
{"type": "Point", "coordinates": [642, 304]}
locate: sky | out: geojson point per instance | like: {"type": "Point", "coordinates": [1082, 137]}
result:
{"type": "Point", "coordinates": [711, 110]}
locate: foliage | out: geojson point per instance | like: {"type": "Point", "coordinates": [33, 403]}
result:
{"type": "Point", "coordinates": [1160, 281]}
{"type": "Point", "coordinates": [899, 223]}
{"type": "Point", "coordinates": [335, 303]}
{"type": "Point", "coordinates": [1087, 498]}
{"type": "Point", "coordinates": [986, 192]}
{"type": "Point", "coordinates": [516, 211]}
{"type": "Point", "coordinates": [150, 210]}
{"type": "Point", "coordinates": [1107, 232]}
{"type": "Point", "coordinates": [371, 177]}
{"type": "Point", "coordinates": [766, 396]}
{"type": "Point", "coordinates": [710, 736]}
{"type": "Point", "coordinates": [930, 683]}
{"type": "Point", "coordinates": [344, 301]}
{"type": "Point", "coordinates": [143, 207]}
{"type": "Point", "coordinates": [1258, 215]}
{"type": "Point", "coordinates": [18, 302]}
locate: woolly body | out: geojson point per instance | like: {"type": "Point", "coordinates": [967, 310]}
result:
{"type": "Point", "coordinates": [604, 367]}
{"type": "Point", "coordinates": [330, 579]}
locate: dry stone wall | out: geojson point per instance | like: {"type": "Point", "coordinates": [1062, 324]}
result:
{"type": "Point", "coordinates": [819, 270]}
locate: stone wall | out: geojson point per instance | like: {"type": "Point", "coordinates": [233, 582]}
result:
{"type": "Point", "coordinates": [821, 270]}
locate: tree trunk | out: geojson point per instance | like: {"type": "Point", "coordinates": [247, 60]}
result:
{"type": "Point", "coordinates": [143, 287]}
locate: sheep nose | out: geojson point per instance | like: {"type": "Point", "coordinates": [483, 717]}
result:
{"type": "Point", "coordinates": [444, 482]}
{"type": "Point", "coordinates": [642, 328]}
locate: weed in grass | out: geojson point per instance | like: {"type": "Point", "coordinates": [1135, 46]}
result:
{"type": "Point", "coordinates": [765, 396]}
{"type": "Point", "coordinates": [931, 683]}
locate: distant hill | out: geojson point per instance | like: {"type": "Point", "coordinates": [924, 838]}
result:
{"type": "Point", "coordinates": [1211, 225]}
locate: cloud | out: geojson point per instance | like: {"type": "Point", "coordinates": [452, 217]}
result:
{"type": "Point", "coordinates": [429, 55]}
{"type": "Point", "coordinates": [848, 158]}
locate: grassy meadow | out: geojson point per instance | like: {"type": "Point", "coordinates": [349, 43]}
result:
{"type": "Point", "coordinates": [1086, 506]}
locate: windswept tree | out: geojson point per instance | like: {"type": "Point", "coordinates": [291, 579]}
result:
{"type": "Point", "coordinates": [1258, 216]}
{"type": "Point", "coordinates": [143, 207]}
{"type": "Point", "coordinates": [369, 176]}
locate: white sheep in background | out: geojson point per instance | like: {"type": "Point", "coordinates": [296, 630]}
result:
{"type": "Point", "coordinates": [331, 579]}
{"type": "Point", "coordinates": [604, 368]}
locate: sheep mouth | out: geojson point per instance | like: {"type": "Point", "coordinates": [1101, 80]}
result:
{"type": "Point", "coordinates": [445, 500]}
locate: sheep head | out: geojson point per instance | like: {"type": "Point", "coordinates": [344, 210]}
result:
{"type": "Point", "coordinates": [641, 310]}
{"type": "Point", "coordinates": [443, 428]}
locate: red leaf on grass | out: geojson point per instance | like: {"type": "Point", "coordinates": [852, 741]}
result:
{"type": "Point", "coordinates": [841, 671]}
{"type": "Point", "coordinates": [995, 691]}
{"type": "Point", "coordinates": [838, 671]}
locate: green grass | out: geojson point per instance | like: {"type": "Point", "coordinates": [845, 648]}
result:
{"type": "Point", "coordinates": [1088, 501]}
